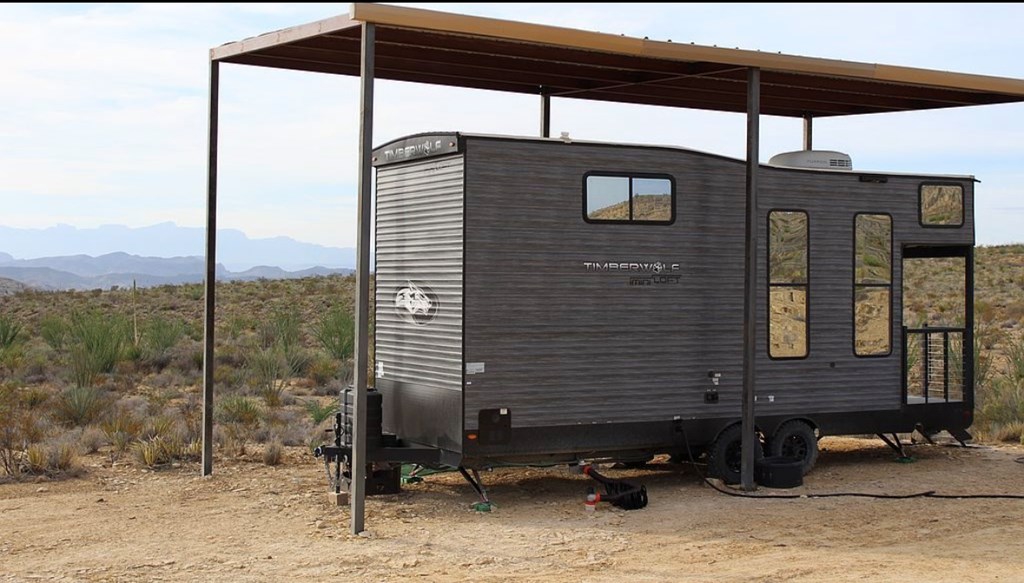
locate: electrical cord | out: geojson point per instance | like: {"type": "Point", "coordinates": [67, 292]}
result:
{"type": "Point", "coordinates": [926, 494]}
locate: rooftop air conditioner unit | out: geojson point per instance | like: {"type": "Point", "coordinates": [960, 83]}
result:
{"type": "Point", "coordinates": [819, 159]}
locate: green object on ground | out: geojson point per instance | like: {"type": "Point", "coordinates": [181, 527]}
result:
{"type": "Point", "coordinates": [483, 506]}
{"type": "Point", "coordinates": [906, 460]}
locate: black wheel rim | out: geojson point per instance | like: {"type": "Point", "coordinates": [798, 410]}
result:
{"type": "Point", "coordinates": [795, 446]}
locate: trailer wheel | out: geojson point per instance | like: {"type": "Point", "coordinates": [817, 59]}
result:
{"type": "Point", "coordinates": [796, 439]}
{"type": "Point", "coordinates": [726, 453]}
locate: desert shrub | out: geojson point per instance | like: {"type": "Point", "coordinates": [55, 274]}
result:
{"type": "Point", "coordinates": [33, 397]}
{"type": "Point", "coordinates": [96, 344]}
{"type": "Point", "coordinates": [236, 325]}
{"type": "Point", "coordinates": [194, 292]}
{"type": "Point", "coordinates": [196, 358]}
{"type": "Point", "coordinates": [270, 369]}
{"type": "Point", "coordinates": [335, 332]}
{"type": "Point", "coordinates": [91, 440]}
{"type": "Point", "coordinates": [999, 403]}
{"type": "Point", "coordinates": [190, 412]}
{"type": "Point", "coordinates": [1014, 350]}
{"type": "Point", "coordinates": [80, 406]}
{"type": "Point", "coordinates": [228, 377]}
{"type": "Point", "coordinates": [121, 429]}
{"type": "Point", "coordinates": [281, 329]}
{"type": "Point", "coordinates": [229, 356]}
{"type": "Point", "coordinates": [151, 452]}
{"type": "Point", "coordinates": [272, 453]}
{"type": "Point", "coordinates": [50, 459]}
{"type": "Point", "coordinates": [1010, 433]}
{"type": "Point", "coordinates": [12, 440]}
{"type": "Point", "coordinates": [239, 410]}
{"type": "Point", "coordinates": [158, 337]}
{"type": "Point", "coordinates": [186, 357]}
{"type": "Point", "coordinates": [289, 426]}
{"type": "Point", "coordinates": [35, 460]}
{"type": "Point", "coordinates": [322, 370]}
{"type": "Point", "coordinates": [318, 412]}
{"type": "Point", "coordinates": [159, 426]}
{"type": "Point", "coordinates": [37, 364]}
{"type": "Point", "coordinates": [54, 330]}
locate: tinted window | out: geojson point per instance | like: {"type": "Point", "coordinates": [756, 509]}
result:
{"type": "Point", "coordinates": [942, 205]}
{"type": "Point", "coordinates": [872, 285]}
{"type": "Point", "coordinates": [788, 247]}
{"type": "Point", "coordinates": [628, 199]}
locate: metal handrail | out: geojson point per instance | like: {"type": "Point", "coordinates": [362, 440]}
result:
{"type": "Point", "coordinates": [926, 333]}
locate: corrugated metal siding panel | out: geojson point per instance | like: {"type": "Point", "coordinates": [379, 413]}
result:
{"type": "Point", "coordinates": [419, 240]}
{"type": "Point", "coordinates": [563, 345]}
{"type": "Point", "coordinates": [566, 346]}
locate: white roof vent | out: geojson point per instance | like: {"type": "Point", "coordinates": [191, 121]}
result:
{"type": "Point", "coordinates": [819, 159]}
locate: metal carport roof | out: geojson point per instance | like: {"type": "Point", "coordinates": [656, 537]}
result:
{"type": "Point", "coordinates": [485, 53]}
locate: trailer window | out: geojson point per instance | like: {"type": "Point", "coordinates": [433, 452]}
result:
{"type": "Point", "coordinates": [628, 199]}
{"type": "Point", "coordinates": [872, 285]}
{"type": "Point", "coordinates": [787, 284]}
{"type": "Point", "coordinates": [942, 205]}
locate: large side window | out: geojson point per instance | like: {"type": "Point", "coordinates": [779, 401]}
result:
{"type": "Point", "coordinates": [787, 284]}
{"type": "Point", "coordinates": [872, 285]}
{"type": "Point", "coordinates": [609, 198]}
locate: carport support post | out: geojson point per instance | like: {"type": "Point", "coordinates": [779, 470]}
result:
{"type": "Point", "coordinates": [545, 115]}
{"type": "Point", "coordinates": [211, 269]}
{"type": "Point", "coordinates": [808, 132]}
{"type": "Point", "coordinates": [750, 279]}
{"type": "Point", "coordinates": [358, 489]}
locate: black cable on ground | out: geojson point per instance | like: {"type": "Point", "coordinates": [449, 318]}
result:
{"type": "Point", "coordinates": [926, 494]}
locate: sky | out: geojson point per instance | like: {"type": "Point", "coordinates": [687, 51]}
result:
{"type": "Point", "coordinates": [103, 108]}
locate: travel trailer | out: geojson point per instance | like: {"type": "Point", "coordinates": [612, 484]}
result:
{"type": "Point", "coordinates": [550, 300]}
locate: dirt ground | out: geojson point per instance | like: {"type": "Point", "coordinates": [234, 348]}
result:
{"type": "Point", "coordinates": [251, 522]}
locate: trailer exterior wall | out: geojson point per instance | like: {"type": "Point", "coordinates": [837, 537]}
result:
{"type": "Point", "coordinates": [566, 346]}
{"type": "Point", "coordinates": [419, 250]}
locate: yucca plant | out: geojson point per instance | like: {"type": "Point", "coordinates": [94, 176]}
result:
{"type": "Point", "coordinates": [97, 344]}
{"type": "Point", "coordinates": [80, 406]}
{"type": "Point", "coordinates": [159, 336]}
{"type": "Point", "coordinates": [282, 329]}
{"type": "Point", "coordinates": [336, 333]}
{"type": "Point", "coordinates": [10, 333]}
{"type": "Point", "coordinates": [318, 412]}
{"type": "Point", "coordinates": [239, 410]}
{"type": "Point", "coordinates": [54, 331]}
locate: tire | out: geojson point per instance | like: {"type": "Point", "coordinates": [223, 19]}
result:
{"type": "Point", "coordinates": [796, 439]}
{"type": "Point", "coordinates": [724, 455]}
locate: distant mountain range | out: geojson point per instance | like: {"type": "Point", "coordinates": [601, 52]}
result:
{"type": "Point", "coordinates": [82, 272]}
{"type": "Point", "coordinates": [234, 249]}
{"type": "Point", "coordinates": [10, 287]}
